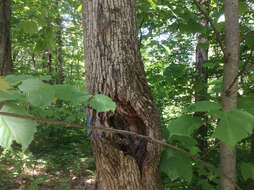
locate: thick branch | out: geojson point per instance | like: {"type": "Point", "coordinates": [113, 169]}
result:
{"type": "Point", "coordinates": [208, 18]}
{"type": "Point", "coordinates": [111, 130]}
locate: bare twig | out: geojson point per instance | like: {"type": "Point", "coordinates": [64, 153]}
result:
{"type": "Point", "coordinates": [208, 18]}
{"type": "Point", "coordinates": [150, 139]}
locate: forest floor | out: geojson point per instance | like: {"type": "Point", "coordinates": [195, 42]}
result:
{"type": "Point", "coordinates": [37, 175]}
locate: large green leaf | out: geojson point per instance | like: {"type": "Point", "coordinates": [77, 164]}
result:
{"type": "Point", "coordinates": [246, 103]}
{"type": "Point", "coordinates": [81, 97]}
{"type": "Point", "coordinates": [188, 143]}
{"type": "Point", "coordinates": [65, 92]}
{"type": "Point", "coordinates": [176, 165]}
{"type": "Point", "coordinates": [234, 126]}
{"type": "Point", "coordinates": [11, 95]}
{"type": "Point", "coordinates": [250, 39]}
{"type": "Point", "coordinates": [102, 103]}
{"type": "Point", "coordinates": [192, 27]}
{"type": "Point", "coordinates": [184, 125]}
{"type": "Point", "coordinates": [247, 170]}
{"type": "Point", "coordinates": [30, 27]}
{"type": "Point", "coordinates": [42, 96]}
{"type": "Point", "coordinates": [204, 106]}
{"type": "Point", "coordinates": [4, 85]}
{"type": "Point", "coordinates": [70, 93]}
{"type": "Point", "coordinates": [15, 79]}
{"type": "Point", "coordinates": [30, 85]}
{"type": "Point", "coordinates": [20, 130]}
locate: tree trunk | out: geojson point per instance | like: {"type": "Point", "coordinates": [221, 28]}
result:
{"type": "Point", "coordinates": [49, 61]}
{"type": "Point", "coordinates": [5, 42]}
{"type": "Point", "coordinates": [59, 67]}
{"type": "Point", "coordinates": [229, 95]}
{"type": "Point", "coordinates": [114, 68]}
{"type": "Point", "coordinates": [201, 83]}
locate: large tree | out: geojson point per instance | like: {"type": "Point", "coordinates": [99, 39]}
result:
{"type": "Point", "coordinates": [114, 68]}
{"type": "Point", "coordinates": [5, 43]}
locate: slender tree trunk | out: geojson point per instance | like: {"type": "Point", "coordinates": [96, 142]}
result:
{"type": "Point", "coordinates": [114, 68]}
{"type": "Point", "coordinates": [60, 77]}
{"type": "Point", "coordinates": [229, 95]}
{"type": "Point", "coordinates": [49, 62]}
{"type": "Point", "coordinates": [33, 61]}
{"type": "Point", "coordinates": [5, 42]}
{"type": "Point", "coordinates": [201, 83]}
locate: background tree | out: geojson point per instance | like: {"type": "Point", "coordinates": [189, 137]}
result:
{"type": "Point", "coordinates": [201, 69]}
{"type": "Point", "coordinates": [5, 41]}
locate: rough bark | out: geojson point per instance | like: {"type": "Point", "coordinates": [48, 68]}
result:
{"type": "Point", "coordinates": [5, 42]}
{"type": "Point", "coordinates": [201, 82]}
{"type": "Point", "coordinates": [229, 95]}
{"type": "Point", "coordinates": [114, 68]}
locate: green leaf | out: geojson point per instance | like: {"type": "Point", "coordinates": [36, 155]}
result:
{"type": "Point", "coordinates": [16, 79]}
{"type": "Point", "coordinates": [81, 97]}
{"type": "Point", "coordinates": [246, 103]}
{"type": "Point", "coordinates": [184, 125]}
{"type": "Point", "coordinates": [30, 27]}
{"type": "Point", "coordinates": [11, 95]}
{"type": "Point", "coordinates": [188, 143]}
{"type": "Point", "coordinates": [67, 92]}
{"type": "Point", "coordinates": [4, 85]}
{"type": "Point", "coordinates": [204, 106]}
{"type": "Point", "coordinates": [192, 27]}
{"type": "Point", "coordinates": [152, 3]}
{"type": "Point", "coordinates": [79, 8]}
{"type": "Point", "coordinates": [45, 77]}
{"type": "Point", "coordinates": [20, 130]}
{"type": "Point", "coordinates": [166, 48]}
{"type": "Point", "coordinates": [247, 170]}
{"type": "Point", "coordinates": [30, 85]}
{"type": "Point", "coordinates": [234, 126]}
{"type": "Point", "coordinates": [205, 185]}
{"type": "Point", "coordinates": [250, 39]}
{"type": "Point", "coordinates": [42, 96]}
{"type": "Point", "coordinates": [64, 92]}
{"type": "Point", "coordinates": [216, 86]}
{"type": "Point", "coordinates": [204, 46]}
{"type": "Point", "coordinates": [243, 7]}
{"type": "Point", "coordinates": [102, 103]}
{"type": "Point", "coordinates": [176, 165]}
